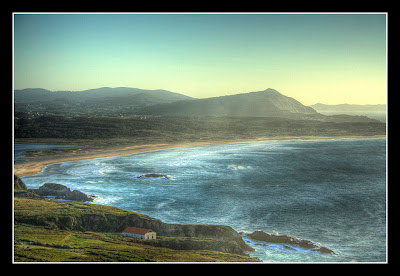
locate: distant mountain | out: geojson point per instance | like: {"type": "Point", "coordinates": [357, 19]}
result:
{"type": "Point", "coordinates": [104, 96]}
{"type": "Point", "coordinates": [267, 103]}
{"type": "Point", "coordinates": [374, 111]}
{"type": "Point", "coordinates": [125, 101]}
{"type": "Point", "coordinates": [105, 101]}
{"type": "Point", "coordinates": [349, 107]}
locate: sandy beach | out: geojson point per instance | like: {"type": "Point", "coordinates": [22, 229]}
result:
{"type": "Point", "coordinates": [34, 165]}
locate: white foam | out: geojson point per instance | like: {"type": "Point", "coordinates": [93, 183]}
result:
{"type": "Point", "coordinates": [238, 167]}
{"type": "Point", "coordinates": [106, 200]}
{"type": "Point", "coordinates": [164, 203]}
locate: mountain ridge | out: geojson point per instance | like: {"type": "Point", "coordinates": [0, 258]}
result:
{"type": "Point", "coordinates": [373, 111]}
{"type": "Point", "coordinates": [127, 101]}
{"type": "Point", "coordinates": [103, 101]}
{"type": "Point", "coordinates": [349, 107]}
{"type": "Point", "coordinates": [263, 103]}
{"type": "Point", "coordinates": [41, 94]}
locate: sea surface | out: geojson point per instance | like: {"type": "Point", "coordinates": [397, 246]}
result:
{"type": "Point", "coordinates": [331, 192]}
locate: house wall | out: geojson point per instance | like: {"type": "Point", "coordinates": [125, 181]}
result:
{"type": "Point", "coordinates": [147, 236]}
{"type": "Point", "coordinates": [150, 236]}
{"type": "Point", "coordinates": [133, 235]}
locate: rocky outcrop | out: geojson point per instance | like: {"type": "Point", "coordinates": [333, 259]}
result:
{"type": "Point", "coordinates": [153, 175]}
{"type": "Point", "coordinates": [196, 244]}
{"type": "Point", "coordinates": [62, 192]}
{"type": "Point", "coordinates": [20, 189]}
{"type": "Point", "coordinates": [18, 184]}
{"type": "Point", "coordinates": [284, 239]}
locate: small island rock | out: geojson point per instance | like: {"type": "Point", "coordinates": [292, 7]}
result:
{"type": "Point", "coordinates": [284, 239]}
{"type": "Point", "coordinates": [62, 192]}
{"type": "Point", "coordinates": [154, 175]}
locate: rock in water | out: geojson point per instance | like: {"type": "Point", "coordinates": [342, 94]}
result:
{"type": "Point", "coordinates": [53, 189]}
{"type": "Point", "coordinates": [154, 175]}
{"type": "Point", "coordinates": [261, 236]}
{"type": "Point", "coordinates": [78, 196]}
{"type": "Point", "coordinates": [62, 192]}
{"type": "Point", "coordinates": [326, 250]}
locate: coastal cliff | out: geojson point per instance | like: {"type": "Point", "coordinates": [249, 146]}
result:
{"type": "Point", "coordinates": [32, 209]}
{"type": "Point", "coordinates": [76, 216]}
{"type": "Point", "coordinates": [116, 223]}
{"type": "Point", "coordinates": [84, 217]}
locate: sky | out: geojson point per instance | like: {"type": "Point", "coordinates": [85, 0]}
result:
{"type": "Point", "coordinates": [314, 58]}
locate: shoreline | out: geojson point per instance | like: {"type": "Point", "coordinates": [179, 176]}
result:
{"type": "Point", "coordinates": [34, 165]}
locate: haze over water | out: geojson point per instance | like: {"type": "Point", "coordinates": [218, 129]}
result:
{"type": "Point", "coordinates": [332, 192]}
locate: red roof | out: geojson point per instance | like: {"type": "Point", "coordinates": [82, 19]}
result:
{"type": "Point", "coordinates": [134, 230]}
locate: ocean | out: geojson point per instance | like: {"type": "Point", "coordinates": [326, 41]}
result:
{"type": "Point", "coordinates": [331, 192]}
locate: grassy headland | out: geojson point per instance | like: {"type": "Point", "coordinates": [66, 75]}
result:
{"type": "Point", "coordinates": [41, 244]}
{"type": "Point", "coordinates": [61, 231]}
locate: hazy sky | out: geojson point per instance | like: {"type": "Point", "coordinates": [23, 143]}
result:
{"type": "Point", "coordinates": [326, 58]}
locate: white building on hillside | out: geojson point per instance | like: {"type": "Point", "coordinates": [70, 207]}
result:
{"type": "Point", "coordinates": [139, 233]}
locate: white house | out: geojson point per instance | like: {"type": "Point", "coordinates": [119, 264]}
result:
{"type": "Point", "coordinates": [139, 233]}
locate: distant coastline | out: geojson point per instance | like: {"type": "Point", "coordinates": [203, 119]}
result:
{"type": "Point", "coordinates": [34, 165]}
